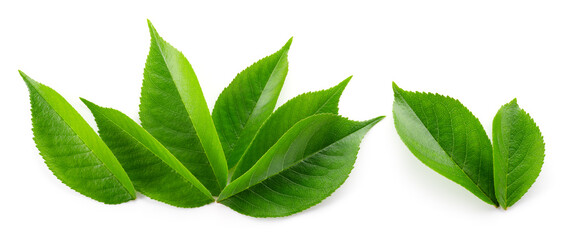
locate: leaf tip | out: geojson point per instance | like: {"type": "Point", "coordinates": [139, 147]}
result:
{"type": "Point", "coordinates": [85, 101]}
{"type": "Point", "coordinates": [289, 42]}
{"type": "Point", "coordinates": [373, 121]}
{"type": "Point", "coordinates": [150, 25]}
{"type": "Point", "coordinates": [89, 104]}
{"type": "Point", "coordinates": [28, 80]}
{"type": "Point", "coordinates": [514, 102]}
{"type": "Point", "coordinates": [153, 32]}
{"type": "Point", "coordinates": [395, 87]}
{"type": "Point", "coordinates": [24, 76]}
{"type": "Point", "coordinates": [286, 46]}
{"type": "Point", "coordinates": [344, 83]}
{"type": "Point", "coordinates": [377, 119]}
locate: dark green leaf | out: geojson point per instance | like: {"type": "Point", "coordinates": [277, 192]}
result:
{"type": "Point", "coordinates": [445, 136]}
{"type": "Point", "coordinates": [284, 118]}
{"type": "Point", "coordinates": [154, 171]}
{"type": "Point", "coordinates": [518, 153]}
{"type": "Point", "coordinates": [73, 151]}
{"type": "Point", "coordinates": [247, 102]}
{"type": "Point", "coordinates": [174, 111]}
{"type": "Point", "coordinates": [305, 166]}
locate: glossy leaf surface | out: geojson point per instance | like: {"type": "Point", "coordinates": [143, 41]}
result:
{"type": "Point", "coordinates": [247, 102]}
{"type": "Point", "coordinates": [73, 151]}
{"type": "Point", "coordinates": [154, 171]}
{"type": "Point", "coordinates": [445, 136]}
{"type": "Point", "coordinates": [174, 111]}
{"type": "Point", "coordinates": [285, 117]}
{"type": "Point", "coordinates": [518, 153]}
{"type": "Point", "coordinates": [305, 166]}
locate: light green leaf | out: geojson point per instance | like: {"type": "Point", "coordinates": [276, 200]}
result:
{"type": "Point", "coordinates": [305, 166]}
{"type": "Point", "coordinates": [518, 153]}
{"type": "Point", "coordinates": [174, 111]}
{"type": "Point", "coordinates": [73, 151]}
{"type": "Point", "coordinates": [247, 102]}
{"type": "Point", "coordinates": [445, 136]}
{"type": "Point", "coordinates": [154, 171]}
{"type": "Point", "coordinates": [284, 118]}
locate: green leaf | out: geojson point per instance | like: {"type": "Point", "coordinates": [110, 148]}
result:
{"type": "Point", "coordinates": [284, 118]}
{"type": "Point", "coordinates": [247, 102]}
{"type": "Point", "coordinates": [445, 136]}
{"type": "Point", "coordinates": [304, 167]}
{"type": "Point", "coordinates": [73, 151]}
{"type": "Point", "coordinates": [154, 171]}
{"type": "Point", "coordinates": [518, 153]}
{"type": "Point", "coordinates": [174, 111]}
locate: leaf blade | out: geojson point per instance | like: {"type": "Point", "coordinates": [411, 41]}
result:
{"type": "Point", "coordinates": [154, 171]}
{"type": "Point", "coordinates": [73, 151]}
{"type": "Point", "coordinates": [319, 151]}
{"type": "Point", "coordinates": [173, 109]}
{"type": "Point", "coordinates": [518, 153]}
{"type": "Point", "coordinates": [248, 101]}
{"type": "Point", "coordinates": [451, 142]}
{"type": "Point", "coordinates": [293, 111]}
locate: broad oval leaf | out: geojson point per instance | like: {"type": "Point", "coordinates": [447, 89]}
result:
{"type": "Point", "coordinates": [73, 151]}
{"type": "Point", "coordinates": [445, 136]}
{"type": "Point", "coordinates": [174, 111]}
{"type": "Point", "coordinates": [518, 153]}
{"type": "Point", "coordinates": [248, 101]}
{"type": "Point", "coordinates": [305, 166]}
{"type": "Point", "coordinates": [296, 109]}
{"type": "Point", "coordinates": [154, 171]}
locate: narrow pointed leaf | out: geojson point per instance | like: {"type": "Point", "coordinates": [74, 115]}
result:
{"type": "Point", "coordinates": [445, 136]}
{"type": "Point", "coordinates": [518, 153]}
{"type": "Point", "coordinates": [154, 171]}
{"type": "Point", "coordinates": [298, 108]}
{"type": "Point", "coordinates": [304, 167]}
{"type": "Point", "coordinates": [247, 102]}
{"type": "Point", "coordinates": [174, 111]}
{"type": "Point", "coordinates": [73, 151]}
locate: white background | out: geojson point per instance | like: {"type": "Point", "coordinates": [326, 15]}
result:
{"type": "Point", "coordinates": [483, 52]}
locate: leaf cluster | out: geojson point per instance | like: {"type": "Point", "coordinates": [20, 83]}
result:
{"type": "Point", "coordinates": [245, 155]}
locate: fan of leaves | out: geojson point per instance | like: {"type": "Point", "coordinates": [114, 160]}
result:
{"type": "Point", "coordinates": [245, 155]}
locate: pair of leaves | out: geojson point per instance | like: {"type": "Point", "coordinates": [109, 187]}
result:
{"type": "Point", "coordinates": [448, 138]}
{"type": "Point", "coordinates": [82, 160]}
{"type": "Point", "coordinates": [280, 163]}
